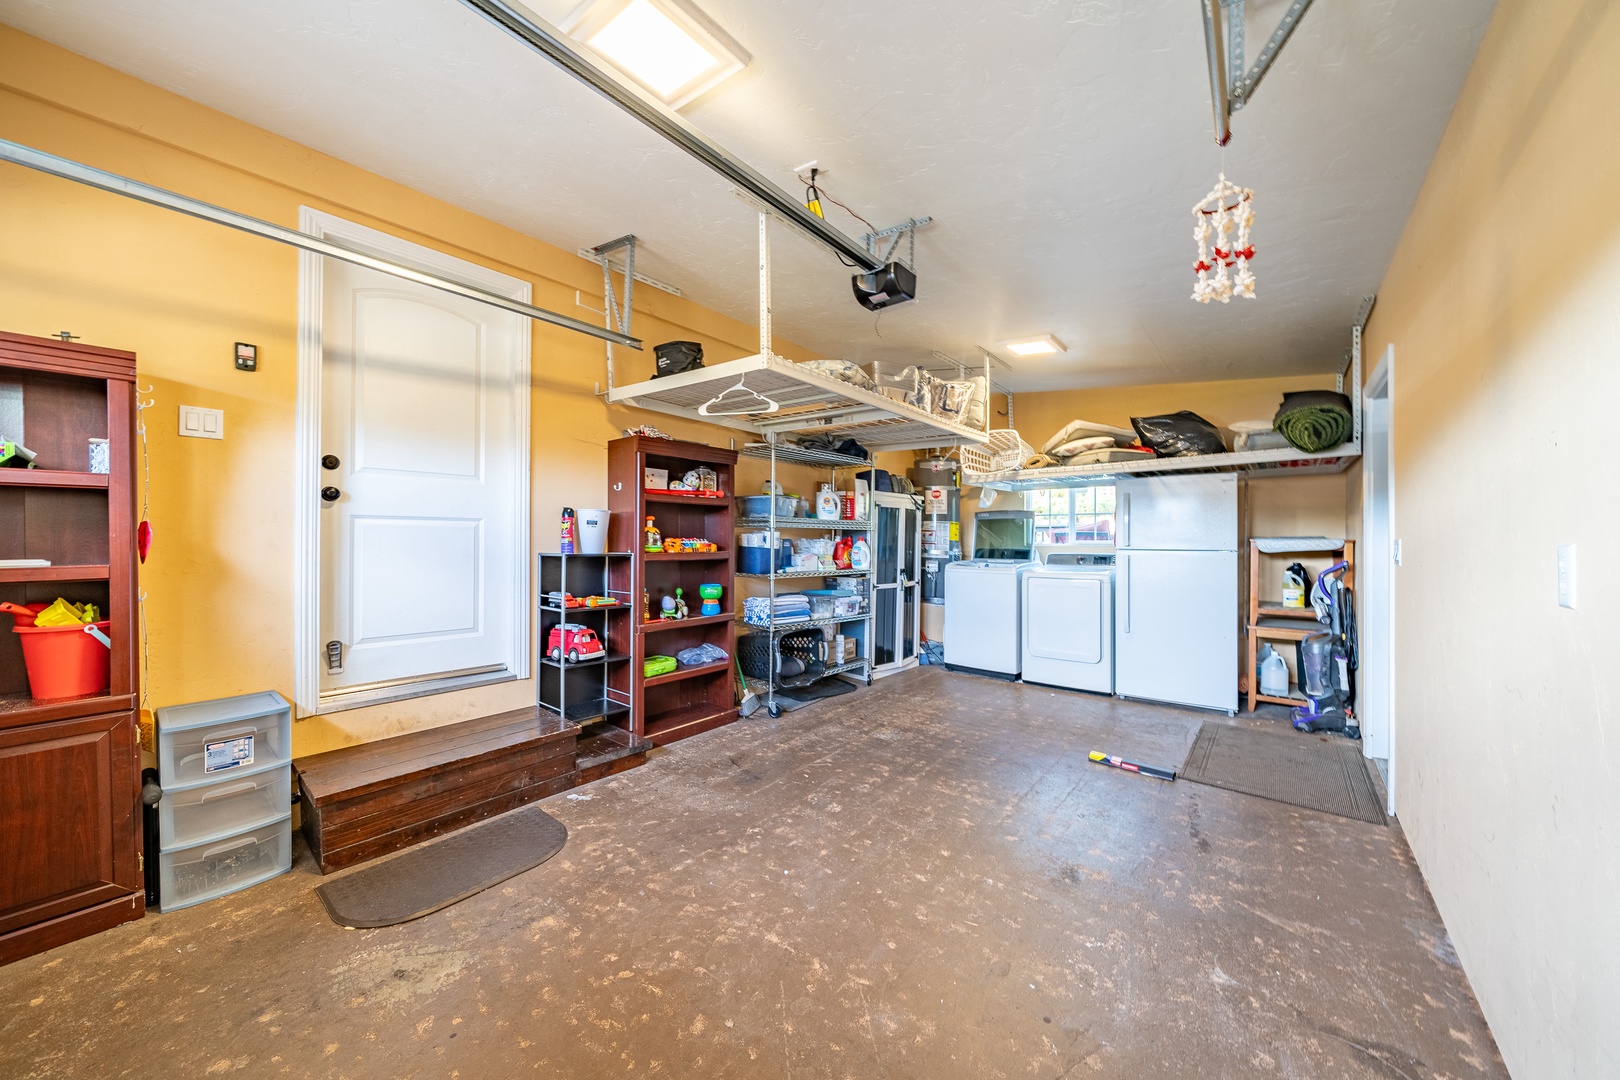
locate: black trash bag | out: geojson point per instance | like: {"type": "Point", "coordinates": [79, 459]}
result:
{"type": "Point", "coordinates": [674, 357]}
{"type": "Point", "coordinates": [1182, 434]}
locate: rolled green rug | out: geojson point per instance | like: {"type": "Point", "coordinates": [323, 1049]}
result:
{"type": "Point", "coordinates": [1314, 420]}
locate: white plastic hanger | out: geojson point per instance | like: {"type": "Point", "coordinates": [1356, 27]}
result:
{"type": "Point", "coordinates": [753, 404]}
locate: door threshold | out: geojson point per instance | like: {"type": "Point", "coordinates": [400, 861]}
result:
{"type": "Point", "coordinates": [342, 702]}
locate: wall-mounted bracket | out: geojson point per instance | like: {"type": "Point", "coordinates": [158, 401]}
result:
{"type": "Point", "coordinates": [1231, 86]}
{"type": "Point", "coordinates": [906, 230]}
{"type": "Point", "coordinates": [617, 314]}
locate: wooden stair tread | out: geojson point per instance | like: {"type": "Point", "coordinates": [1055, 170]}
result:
{"type": "Point", "coordinates": [355, 769]}
{"type": "Point", "coordinates": [367, 800]}
{"type": "Point", "coordinates": [608, 745]}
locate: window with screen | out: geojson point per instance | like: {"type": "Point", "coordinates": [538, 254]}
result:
{"type": "Point", "coordinates": [1074, 515]}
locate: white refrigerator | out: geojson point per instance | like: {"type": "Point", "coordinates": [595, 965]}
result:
{"type": "Point", "coordinates": [1176, 590]}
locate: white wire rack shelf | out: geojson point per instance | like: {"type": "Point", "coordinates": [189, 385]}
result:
{"type": "Point", "coordinates": [804, 455]}
{"type": "Point", "coordinates": [1251, 463]}
{"type": "Point", "coordinates": [780, 627]}
{"type": "Point", "coordinates": [780, 574]}
{"type": "Point", "coordinates": [809, 403]}
{"type": "Point", "coordinates": [817, 524]}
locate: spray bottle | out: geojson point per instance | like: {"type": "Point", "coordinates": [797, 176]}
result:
{"type": "Point", "coordinates": [567, 545]}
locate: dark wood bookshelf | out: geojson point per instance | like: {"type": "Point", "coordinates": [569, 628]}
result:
{"type": "Point", "coordinates": [687, 700]}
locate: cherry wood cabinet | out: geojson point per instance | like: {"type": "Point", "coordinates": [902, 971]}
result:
{"type": "Point", "coordinates": [70, 838]}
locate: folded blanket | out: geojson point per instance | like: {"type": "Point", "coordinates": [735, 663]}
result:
{"type": "Point", "coordinates": [1314, 420]}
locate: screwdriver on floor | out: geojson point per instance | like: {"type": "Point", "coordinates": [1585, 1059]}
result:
{"type": "Point", "coordinates": [1130, 766]}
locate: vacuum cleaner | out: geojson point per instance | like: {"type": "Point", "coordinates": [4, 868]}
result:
{"type": "Point", "coordinates": [1328, 660]}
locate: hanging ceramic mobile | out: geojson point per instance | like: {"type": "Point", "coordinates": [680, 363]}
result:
{"type": "Point", "coordinates": [1221, 224]}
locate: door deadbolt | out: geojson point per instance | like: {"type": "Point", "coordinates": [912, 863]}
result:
{"type": "Point", "coordinates": [330, 494]}
{"type": "Point", "coordinates": [330, 461]}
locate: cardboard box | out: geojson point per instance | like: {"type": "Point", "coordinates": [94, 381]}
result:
{"type": "Point", "coordinates": [655, 479]}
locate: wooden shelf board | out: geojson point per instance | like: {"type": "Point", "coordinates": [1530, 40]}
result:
{"type": "Point", "coordinates": [1275, 700]}
{"type": "Point", "coordinates": [690, 673]}
{"type": "Point", "coordinates": [1277, 611]}
{"type": "Point", "coordinates": [688, 556]}
{"type": "Point", "coordinates": [658, 495]}
{"type": "Point", "coordinates": [688, 720]}
{"type": "Point", "coordinates": [51, 478]}
{"type": "Point", "coordinates": [1286, 633]}
{"type": "Point", "coordinates": [658, 625]}
{"type": "Point", "coordinates": [52, 573]}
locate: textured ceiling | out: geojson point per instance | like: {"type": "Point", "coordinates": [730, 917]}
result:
{"type": "Point", "coordinates": [1058, 144]}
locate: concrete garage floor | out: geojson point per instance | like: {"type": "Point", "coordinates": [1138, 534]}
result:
{"type": "Point", "coordinates": [925, 879]}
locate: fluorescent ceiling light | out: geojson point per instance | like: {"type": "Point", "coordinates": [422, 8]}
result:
{"type": "Point", "coordinates": [1045, 345]}
{"type": "Point", "coordinates": [668, 46]}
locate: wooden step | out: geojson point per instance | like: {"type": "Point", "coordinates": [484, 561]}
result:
{"type": "Point", "coordinates": [359, 802]}
{"type": "Point", "coordinates": [605, 749]}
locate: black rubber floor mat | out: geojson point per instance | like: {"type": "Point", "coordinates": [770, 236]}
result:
{"type": "Point", "coordinates": [424, 879]}
{"type": "Point", "coordinates": [1318, 772]}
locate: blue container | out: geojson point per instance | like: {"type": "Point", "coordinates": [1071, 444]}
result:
{"type": "Point", "coordinates": [757, 560]}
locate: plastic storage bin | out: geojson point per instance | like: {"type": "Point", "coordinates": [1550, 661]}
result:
{"type": "Point", "coordinates": [758, 506]}
{"type": "Point", "coordinates": [821, 602]}
{"type": "Point", "coordinates": [213, 868]}
{"type": "Point", "coordinates": [222, 808]}
{"type": "Point", "coordinates": [210, 740]}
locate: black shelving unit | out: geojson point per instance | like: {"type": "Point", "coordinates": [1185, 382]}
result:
{"type": "Point", "coordinates": [582, 691]}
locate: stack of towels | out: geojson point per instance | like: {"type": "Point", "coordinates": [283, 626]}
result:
{"type": "Point", "coordinates": [789, 607]}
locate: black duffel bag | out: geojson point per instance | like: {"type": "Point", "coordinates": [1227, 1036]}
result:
{"type": "Point", "coordinates": [674, 357]}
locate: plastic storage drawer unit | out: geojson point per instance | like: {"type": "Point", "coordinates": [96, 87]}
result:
{"type": "Point", "coordinates": [212, 739]}
{"type": "Point", "coordinates": [225, 819]}
{"type": "Point", "coordinates": [220, 808]}
{"type": "Point", "coordinates": [214, 868]}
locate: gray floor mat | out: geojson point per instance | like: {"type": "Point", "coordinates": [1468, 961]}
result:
{"type": "Point", "coordinates": [424, 879]}
{"type": "Point", "coordinates": [1318, 772]}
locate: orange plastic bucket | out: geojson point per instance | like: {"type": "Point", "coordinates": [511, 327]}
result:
{"type": "Point", "coordinates": [64, 661]}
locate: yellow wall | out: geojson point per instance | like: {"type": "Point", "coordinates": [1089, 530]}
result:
{"type": "Point", "coordinates": [180, 292]}
{"type": "Point", "coordinates": [1502, 309]}
{"type": "Point", "coordinates": [1039, 416]}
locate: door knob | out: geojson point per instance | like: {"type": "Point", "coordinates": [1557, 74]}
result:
{"type": "Point", "coordinates": [330, 494]}
{"type": "Point", "coordinates": [330, 461]}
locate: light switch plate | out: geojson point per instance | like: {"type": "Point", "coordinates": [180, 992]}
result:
{"type": "Point", "coordinates": [198, 423]}
{"type": "Point", "coordinates": [1566, 575]}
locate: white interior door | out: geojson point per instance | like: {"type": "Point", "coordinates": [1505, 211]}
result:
{"type": "Point", "coordinates": [424, 445]}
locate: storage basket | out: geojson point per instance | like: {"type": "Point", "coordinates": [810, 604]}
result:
{"type": "Point", "coordinates": [754, 655]}
{"type": "Point", "coordinates": [1005, 450]}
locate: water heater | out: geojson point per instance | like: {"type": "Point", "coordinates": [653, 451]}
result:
{"type": "Point", "coordinates": [937, 482]}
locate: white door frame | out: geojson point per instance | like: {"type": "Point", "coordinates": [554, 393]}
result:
{"type": "Point", "coordinates": [1377, 612]}
{"type": "Point", "coordinates": [307, 472]}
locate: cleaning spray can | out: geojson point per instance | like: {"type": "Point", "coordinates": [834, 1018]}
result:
{"type": "Point", "coordinates": [567, 545]}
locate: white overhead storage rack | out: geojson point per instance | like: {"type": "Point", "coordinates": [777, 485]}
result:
{"type": "Point", "coordinates": [1252, 463]}
{"type": "Point", "coordinates": [1249, 463]}
{"type": "Point", "coordinates": [809, 403]}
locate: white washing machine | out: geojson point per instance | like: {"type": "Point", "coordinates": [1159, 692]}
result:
{"type": "Point", "coordinates": [1068, 631]}
{"type": "Point", "coordinates": [982, 616]}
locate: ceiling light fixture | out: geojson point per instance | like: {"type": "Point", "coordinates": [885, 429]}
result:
{"type": "Point", "coordinates": [668, 46]}
{"type": "Point", "coordinates": [1046, 345]}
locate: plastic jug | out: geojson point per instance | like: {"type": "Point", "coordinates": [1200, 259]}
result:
{"type": "Point", "coordinates": [1295, 584]}
{"type": "Point", "coordinates": [1274, 675]}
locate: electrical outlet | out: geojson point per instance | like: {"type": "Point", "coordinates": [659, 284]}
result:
{"type": "Point", "coordinates": [1566, 575]}
{"type": "Point", "coordinates": [198, 423]}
